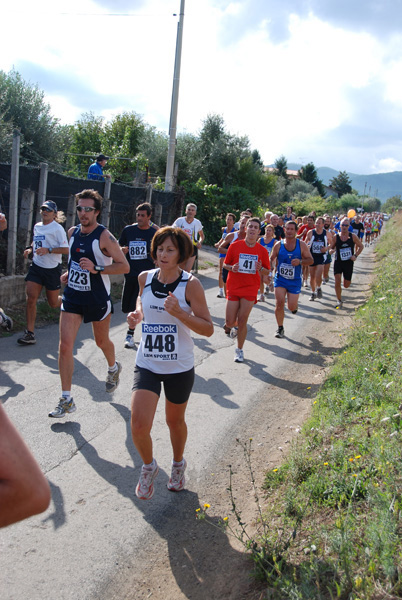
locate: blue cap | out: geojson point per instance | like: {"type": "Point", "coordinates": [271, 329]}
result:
{"type": "Point", "coordinates": [50, 204]}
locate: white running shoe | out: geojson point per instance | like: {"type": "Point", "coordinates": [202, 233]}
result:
{"type": "Point", "coordinates": [239, 356]}
{"type": "Point", "coordinates": [233, 332]}
{"type": "Point", "coordinates": [261, 297]}
{"type": "Point", "coordinates": [177, 479]}
{"type": "Point", "coordinates": [64, 406]}
{"type": "Point", "coordinates": [145, 485]}
{"type": "Point", "coordinates": [129, 341]}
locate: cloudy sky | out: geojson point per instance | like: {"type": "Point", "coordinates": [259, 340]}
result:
{"type": "Point", "coordinates": [314, 80]}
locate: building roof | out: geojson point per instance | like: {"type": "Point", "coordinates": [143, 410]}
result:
{"type": "Point", "coordinates": [291, 173]}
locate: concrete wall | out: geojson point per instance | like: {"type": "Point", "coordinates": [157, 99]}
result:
{"type": "Point", "coordinates": [12, 289]}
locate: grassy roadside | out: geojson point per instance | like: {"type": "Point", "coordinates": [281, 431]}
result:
{"type": "Point", "coordinates": [332, 527]}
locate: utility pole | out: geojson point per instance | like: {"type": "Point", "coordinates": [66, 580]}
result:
{"type": "Point", "coordinates": [364, 195]}
{"type": "Point", "coordinates": [174, 105]}
{"type": "Point", "coordinates": [13, 208]}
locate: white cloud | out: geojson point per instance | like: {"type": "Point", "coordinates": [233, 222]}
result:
{"type": "Point", "coordinates": [387, 165]}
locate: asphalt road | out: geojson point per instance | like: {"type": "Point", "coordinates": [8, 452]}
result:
{"type": "Point", "coordinates": [95, 527]}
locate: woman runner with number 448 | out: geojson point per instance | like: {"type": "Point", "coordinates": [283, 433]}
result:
{"type": "Point", "coordinates": [170, 304]}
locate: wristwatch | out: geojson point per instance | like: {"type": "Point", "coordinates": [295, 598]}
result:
{"type": "Point", "coordinates": [99, 268]}
{"type": "Point", "coordinates": [50, 250]}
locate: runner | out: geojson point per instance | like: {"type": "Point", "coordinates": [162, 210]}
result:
{"type": "Point", "coordinates": [94, 254]}
{"type": "Point", "coordinates": [48, 244]}
{"type": "Point", "coordinates": [223, 249]}
{"type": "Point", "coordinates": [289, 216]}
{"type": "Point", "coordinates": [245, 260]}
{"type": "Point", "coordinates": [318, 240]}
{"type": "Point", "coordinates": [328, 226]}
{"type": "Point", "coordinates": [367, 231]}
{"type": "Point", "coordinates": [279, 231]}
{"type": "Point", "coordinates": [171, 304]}
{"type": "Point", "coordinates": [301, 235]}
{"type": "Point", "coordinates": [230, 221]}
{"type": "Point", "coordinates": [193, 228]}
{"type": "Point", "coordinates": [135, 243]}
{"type": "Point", "coordinates": [291, 255]}
{"type": "Point", "coordinates": [267, 242]}
{"type": "Point", "coordinates": [357, 227]}
{"type": "Point", "coordinates": [266, 221]}
{"type": "Point", "coordinates": [347, 247]}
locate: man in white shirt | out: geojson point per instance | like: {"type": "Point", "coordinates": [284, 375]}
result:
{"type": "Point", "coordinates": [48, 244]}
{"type": "Point", "coordinates": [193, 228]}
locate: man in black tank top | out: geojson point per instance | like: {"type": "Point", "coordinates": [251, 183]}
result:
{"type": "Point", "coordinates": [347, 247]}
{"type": "Point", "coordinates": [86, 296]}
{"type": "Point", "coordinates": [318, 239]}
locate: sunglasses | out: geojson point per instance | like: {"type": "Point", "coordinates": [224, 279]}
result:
{"type": "Point", "coordinates": [45, 209]}
{"type": "Point", "coordinates": [85, 208]}
{"type": "Point", "coordinates": [345, 224]}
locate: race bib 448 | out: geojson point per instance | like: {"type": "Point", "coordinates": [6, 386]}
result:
{"type": "Point", "coordinates": [160, 341]}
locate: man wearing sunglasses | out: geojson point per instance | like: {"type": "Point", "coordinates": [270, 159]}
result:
{"type": "Point", "coordinates": [347, 247]}
{"type": "Point", "coordinates": [48, 244]}
{"type": "Point", "coordinates": [94, 255]}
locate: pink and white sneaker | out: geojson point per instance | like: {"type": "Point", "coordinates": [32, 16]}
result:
{"type": "Point", "coordinates": [177, 479]}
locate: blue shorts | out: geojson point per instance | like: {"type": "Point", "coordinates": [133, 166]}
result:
{"type": "Point", "coordinates": [48, 278]}
{"type": "Point", "coordinates": [291, 285]}
{"type": "Point", "coordinates": [90, 312]}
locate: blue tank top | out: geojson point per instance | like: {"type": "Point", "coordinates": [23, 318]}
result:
{"type": "Point", "coordinates": [270, 244]}
{"type": "Point", "coordinates": [224, 234]}
{"type": "Point", "coordinates": [285, 270]}
{"type": "Point", "coordinates": [84, 287]}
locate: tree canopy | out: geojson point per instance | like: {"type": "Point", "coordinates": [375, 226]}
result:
{"type": "Point", "coordinates": [392, 203]}
{"type": "Point", "coordinates": [23, 106]}
{"type": "Point", "coordinates": [309, 173]}
{"type": "Point", "coordinates": [281, 168]}
{"type": "Point", "coordinates": [341, 183]}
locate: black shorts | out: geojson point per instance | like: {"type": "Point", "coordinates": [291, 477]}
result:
{"type": "Point", "coordinates": [345, 268]}
{"type": "Point", "coordinates": [48, 278]}
{"type": "Point", "coordinates": [90, 312]}
{"type": "Point", "coordinates": [225, 274]}
{"type": "Point", "coordinates": [177, 386]}
{"type": "Point", "coordinates": [328, 259]}
{"type": "Point", "coordinates": [195, 251]}
{"type": "Point", "coordinates": [130, 293]}
{"type": "Point", "coordinates": [319, 259]}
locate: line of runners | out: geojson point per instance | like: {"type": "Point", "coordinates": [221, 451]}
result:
{"type": "Point", "coordinates": [169, 302]}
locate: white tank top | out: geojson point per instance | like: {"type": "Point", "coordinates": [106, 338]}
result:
{"type": "Point", "coordinates": [166, 344]}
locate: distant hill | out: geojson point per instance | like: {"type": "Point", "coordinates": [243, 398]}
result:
{"type": "Point", "coordinates": [380, 185]}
